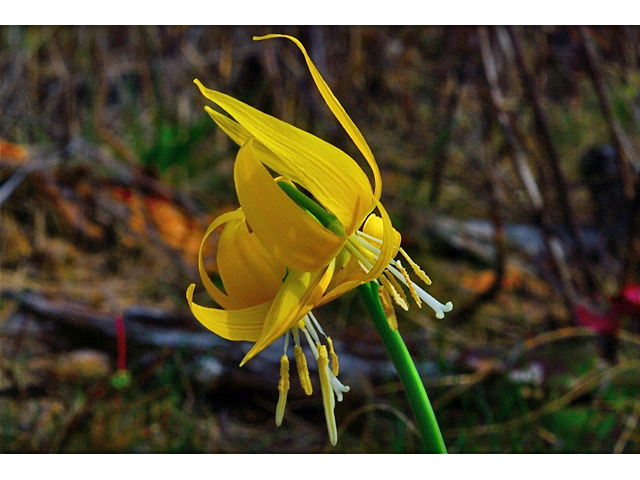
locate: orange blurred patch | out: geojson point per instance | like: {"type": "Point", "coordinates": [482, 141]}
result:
{"type": "Point", "coordinates": [514, 278]}
{"type": "Point", "coordinates": [479, 282]}
{"type": "Point", "coordinates": [147, 214]}
{"type": "Point", "coordinates": [136, 222]}
{"type": "Point", "coordinates": [16, 154]}
{"type": "Point", "coordinates": [73, 214]}
{"type": "Point", "coordinates": [174, 226]}
{"type": "Point", "coordinates": [178, 230]}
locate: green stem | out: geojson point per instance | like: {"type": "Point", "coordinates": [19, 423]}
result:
{"type": "Point", "coordinates": [406, 369]}
{"type": "Point", "coordinates": [327, 219]}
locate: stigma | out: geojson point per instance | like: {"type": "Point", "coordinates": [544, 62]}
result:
{"type": "Point", "coordinates": [327, 360]}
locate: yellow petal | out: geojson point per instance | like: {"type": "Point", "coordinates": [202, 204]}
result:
{"type": "Point", "coordinates": [220, 298]}
{"type": "Point", "coordinates": [297, 297]}
{"type": "Point", "coordinates": [347, 269]}
{"type": "Point", "coordinates": [250, 275]}
{"type": "Point", "coordinates": [244, 324]}
{"type": "Point", "coordinates": [240, 135]}
{"type": "Point", "coordinates": [265, 156]}
{"type": "Point", "coordinates": [287, 231]}
{"type": "Point", "coordinates": [338, 111]}
{"type": "Point", "coordinates": [332, 176]}
{"type": "Point", "coordinates": [387, 249]}
{"type": "Point", "coordinates": [373, 226]}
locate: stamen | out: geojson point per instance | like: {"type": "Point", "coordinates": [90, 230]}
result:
{"type": "Point", "coordinates": [389, 312]}
{"type": "Point", "coordinates": [363, 243]}
{"type": "Point", "coordinates": [369, 237]}
{"type": "Point", "coordinates": [328, 399]}
{"type": "Point", "coordinates": [335, 366]}
{"type": "Point", "coordinates": [303, 370]}
{"type": "Point", "coordinates": [389, 288]}
{"type": "Point", "coordinates": [397, 286]}
{"type": "Point", "coordinates": [308, 325]}
{"type": "Point", "coordinates": [296, 335]}
{"type": "Point", "coordinates": [311, 343]}
{"type": "Point", "coordinates": [409, 283]}
{"type": "Point", "coordinates": [317, 324]}
{"type": "Point", "coordinates": [397, 270]}
{"type": "Point", "coordinates": [364, 263]}
{"type": "Point", "coordinates": [416, 268]}
{"type": "Point", "coordinates": [283, 389]}
{"type": "Point", "coordinates": [438, 307]}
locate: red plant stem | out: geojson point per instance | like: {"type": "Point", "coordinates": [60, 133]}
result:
{"type": "Point", "coordinates": [122, 343]}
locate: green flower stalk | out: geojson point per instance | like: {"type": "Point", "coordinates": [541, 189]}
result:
{"type": "Point", "coordinates": [418, 399]}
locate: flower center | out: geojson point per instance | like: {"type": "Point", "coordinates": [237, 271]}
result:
{"type": "Point", "coordinates": [330, 386]}
{"type": "Point", "coordinates": [364, 248]}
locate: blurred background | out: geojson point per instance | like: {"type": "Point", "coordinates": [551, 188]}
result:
{"type": "Point", "coordinates": [510, 166]}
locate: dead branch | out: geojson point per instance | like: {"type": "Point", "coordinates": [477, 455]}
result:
{"type": "Point", "coordinates": [544, 134]}
{"type": "Point", "coordinates": [439, 148]}
{"type": "Point", "coordinates": [521, 166]}
{"type": "Point", "coordinates": [627, 158]}
{"type": "Point", "coordinates": [627, 155]}
{"type": "Point", "coordinates": [144, 326]}
{"type": "Point", "coordinates": [500, 252]}
{"type": "Point", "coordinates": [632, 259]}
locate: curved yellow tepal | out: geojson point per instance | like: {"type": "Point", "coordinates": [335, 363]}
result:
{"type": "Point", "coordinates": [374, 226]}
{"type": "Point", "coordinates": [287, 231]}
{"type": "Point", "coordinates": [338, 110]}
{"type": "Point", "coordinates": [236, 325]}
{"type": "Point", "coordinates": [332, 176]}
{"type": "Point", "coordinates": [300, 293]}
{"type": "Point", "coordinates": [250, 275]}
{"type": "Point", "coordinates": [239, 134]}
{"type": "Point", "coordinates": [219, 297]}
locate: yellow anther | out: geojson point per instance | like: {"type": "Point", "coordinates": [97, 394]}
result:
{"type": "Point", "coordinates": [397, 294]}
{"type": "Point", "coordinates": [335, 366]}
{"type": "Point", "coordinates": [389, 312]}
{"type": "Point", "coordinates": [303, 370]}
{"type": "Point", "coordinates": [397, 286]}
{"type": "Point", "coordinates": [414, 294]}
{"type": "Point", "coordinates": [283, 389]}
{"type": "Point", "coordinates": [416, 268]}
{"type": "Point", "coordinates": [328, 399]}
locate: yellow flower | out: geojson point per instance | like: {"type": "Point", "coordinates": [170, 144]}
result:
{"type": "Point", "coordinates": [264, 300]}
{"type": "Point", "coordinates": [277, 261]}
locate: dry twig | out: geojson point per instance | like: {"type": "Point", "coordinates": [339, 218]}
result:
{"type": "Point", "coordinates": [522, 168]}
{"type": "Point", "coordinates": [587, 382]}
{"type": "Point", "coordinates": [630, 426]}
{"type": "Point", "coordinates": [544, 134]}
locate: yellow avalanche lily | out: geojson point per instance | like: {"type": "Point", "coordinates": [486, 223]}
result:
{"type": "Point", "coordinates": [280, 256]}
{"type": "Point", "coordinates": [265, 300]}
